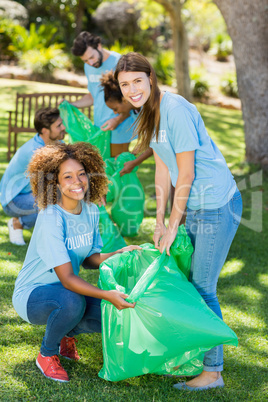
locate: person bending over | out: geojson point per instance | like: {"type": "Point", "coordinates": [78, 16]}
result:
{"type": "Point", "coordinates": [16, 196]}
{"type": "Point", "coordinates": [66, 180]}
{"type": "Point", "coordinates": [97, 62]}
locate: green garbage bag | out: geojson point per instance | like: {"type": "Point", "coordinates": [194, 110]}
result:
{"type": "Point", "coordinates": [80, 128]}
{"type": "Point", "coordinates": [170, 327]}
{"type": "Point", "coordinates": [182, 250]}
{"type": "Point", "coordinates": [127, 195]}
{"type": "Point", "coordinates": [115, 184]}
{"type": "Point", "coordinates": [111, 238]}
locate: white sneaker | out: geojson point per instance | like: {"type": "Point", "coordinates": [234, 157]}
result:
{"type": "Point", "coordinates": [15, 235]}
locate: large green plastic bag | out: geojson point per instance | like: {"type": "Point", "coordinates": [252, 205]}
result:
{"type": "Point", "coordinates": [127, 195]}
{"type": "Point", "coordinates": [170, 327]}
{"type": "Point", "coordinates": [80, 128]}
{"type": "Point", "coordinates": [110, 236]}
{"type": "Point", "coordinates": [182, 250]}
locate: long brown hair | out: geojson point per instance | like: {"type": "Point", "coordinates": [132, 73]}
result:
{"type": "Point", "coordinates": [148, 120]}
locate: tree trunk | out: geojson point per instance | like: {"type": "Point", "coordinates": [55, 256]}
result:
{"type": "Point", "coordinates": [247, 23]}
{"type": "Point", "coordinates": [180, 45]}
{"type": "Point", "coordinates": [79, 17]}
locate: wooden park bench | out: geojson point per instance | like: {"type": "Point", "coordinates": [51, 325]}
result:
{"type": "Point", "coordinates": [21, 119]}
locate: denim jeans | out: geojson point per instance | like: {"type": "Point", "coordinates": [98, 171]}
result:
{"type": "Point", "coordinates": [64, 313]}
{"type": "Point", "coordinates": [212, 232]}
{"type": "Point", "coordinates": [22, 207]}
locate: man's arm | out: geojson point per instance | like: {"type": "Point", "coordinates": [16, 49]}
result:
{"type": "Point", "coordinates": [86, 101]}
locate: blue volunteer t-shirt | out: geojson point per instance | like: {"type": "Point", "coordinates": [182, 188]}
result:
{"type": "Point", "coordinates": [14, 180]}
{"type": "Point", "coordinates": [182, 129]}
{"type": "Point", "coordinates": [102, 112]}
{"type": "Point", "coordinates": [58, 237]}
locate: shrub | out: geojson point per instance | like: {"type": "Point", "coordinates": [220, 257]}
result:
{"type": "Point", "coordinates": [221, 47]}
{"type": "Point", "coordinates": [229, 85]}
{"type": "Point", "coordinates": [164, 67]}
{"type": "Point", "coordinates": [24, 40]}
{"type": "Point", "coordinates": [44, 61]}
{"type": "Point", "coordinates": [118, 48]}
{"type": "Point", "coordinates": [199, 85]}
{"type": "Point", "coordinates": [5, 39]}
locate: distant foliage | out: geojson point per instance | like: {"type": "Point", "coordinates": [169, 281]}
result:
{"type": "Point", "coordinates": [164, 66]}
{"type": "Point", "coordinates": [13, 11]}
{"type": "Point", "coordinates": [118, 21]}
{"type": "Point", "coordinates": [44, 61]}
{"type": "Point", "coordinates": [117, 47]}
{"type": "Point", "coordinates": [5, 39]}
{"type": "Point", "coordinates": [203, 22]}
{"type": "Point", "coordinates": [34, 48]}
{"type": "Point", "coordinates": [23, 40]}
{"type": "Point", "coordinates": [222, 47]}
{"type": "Point", "coordinates": [229, 85]}
{"type": "Point", "coordinates": [199, 85]}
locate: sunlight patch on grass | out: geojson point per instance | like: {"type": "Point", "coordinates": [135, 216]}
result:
{"type": "Point", "coordinates": [263, 279]}
{"type": "Point", "coordinates": [237, 318]}
{"type": "Point", "coordinates": [9, 266]}
{"type": "Point", "coordinates": [232, 268]}
{"type": "Point", "coordinates": [248, 293]}
{"type": "Point", "coordinates": [258, 343]}
{"type": "Point", "coordinates": [17, 385]}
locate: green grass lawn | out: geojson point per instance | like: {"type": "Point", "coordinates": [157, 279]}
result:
{"type": "Point", "coordinates": [242, 291]}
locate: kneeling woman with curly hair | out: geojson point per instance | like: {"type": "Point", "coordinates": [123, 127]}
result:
{"type": "Point", "coordinates": [66, 180]}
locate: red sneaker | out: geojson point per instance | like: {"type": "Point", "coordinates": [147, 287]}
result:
{"type": "Point", "coordinates": [51, 368]}
{"type": "Point", "coordinates": [68, 348]}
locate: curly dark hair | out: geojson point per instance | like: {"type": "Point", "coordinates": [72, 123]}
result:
{"type": "Point", "coordinates": [83, 41]}
{"type": "Point", "coordinates": [44, 167]}
{"type": "Point", "coordinates": [111, 87]}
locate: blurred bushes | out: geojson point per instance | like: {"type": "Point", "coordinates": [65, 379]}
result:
{"type": "Point", "coordinates": [199, 85]}
{"type": "Point", "coordinates": [44, 61]}
{"type": "Point", "coordinates": [164, 65]}
{"type": "Point", "coordinates": [34, 49]}
{"type": "Point", "coordinates": [221, 47]}
{"type": "Point", "coordinates": [229, 85]}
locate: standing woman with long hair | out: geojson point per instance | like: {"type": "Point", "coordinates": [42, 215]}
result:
{"type": "Point", "coordinates": [186, 156]}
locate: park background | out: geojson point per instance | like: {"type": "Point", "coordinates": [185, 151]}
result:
{"type": "Point", "coordinates": [224, 70]}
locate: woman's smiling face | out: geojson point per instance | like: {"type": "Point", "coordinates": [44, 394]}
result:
{"type": "Point", "coordinates": [135, 87]}
{"type": "Point", "coordinates": [72, 182]}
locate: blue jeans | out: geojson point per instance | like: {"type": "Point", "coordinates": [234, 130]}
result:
{"type": "Point", "coordinates": [64, 313]}
{"type": "Point", "coordinates": [22, 207]}
{"type": "Point", "coordinates": [212, 232]}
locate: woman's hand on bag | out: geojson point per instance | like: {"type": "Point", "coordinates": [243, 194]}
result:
{"type": "Point", "coordinates": [159, 231]}
{"type": "Point", "coordinates": [110, 124]}
{"type": "Point", "coordinates": [167, 240]}
{"type": "Point", "coordinates": [128, 167]}
{"type": "Point", "coordinates": [102, 201]}
{"type": "Point", "coordinates": [118, 300]}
